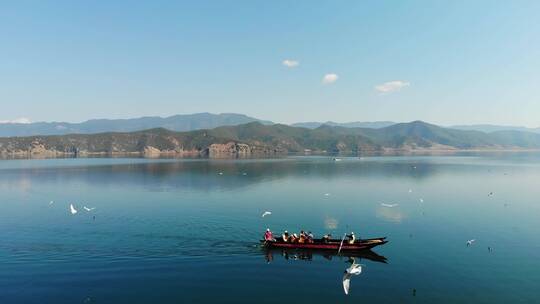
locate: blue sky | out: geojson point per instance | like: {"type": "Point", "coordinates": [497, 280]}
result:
{"type": "Point", "coordinates": [446, 62]}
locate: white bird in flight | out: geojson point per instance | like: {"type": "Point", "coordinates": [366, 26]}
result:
{"type": "Point", "coordinates": [410, 190]}
{"type": "Point", "coordinates": [327, 194]}
{"type": "Point", "coordinates": [389, 205]}
{"type": "Point", "coordinates": [51, 202]}
{"type": "Point", "coordinates": [470, 242]}
{"type": "Point", "coordinates": [421, 200]}
{"type": "Point", "coordinates": [220, 173]}
{"type": "Point", "coordinates": [88, 209]}
{"type": "Point", "coordinates": [72, 209]}
{"type": "Point", "coordinates": [355, 269]}
{"type": "Point", "coordinates": [266, 213]}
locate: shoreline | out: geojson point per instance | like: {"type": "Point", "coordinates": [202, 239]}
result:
{"type": "Point", "coordinates": [201, 155]}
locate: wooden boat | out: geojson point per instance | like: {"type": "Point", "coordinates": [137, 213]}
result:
{"type": "Point", "coordinates": [332, 244]}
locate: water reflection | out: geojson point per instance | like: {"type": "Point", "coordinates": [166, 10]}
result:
{"type": "Point", "coordinates": [353, 260]}
{"type": "Point", "coordinates": [209, 175]}
{"type": "Point", "coordinates": [328, 255]}
{"type": "Point", "coordinates": [390, 214]}
{"type": "Point", "coordinates": [331, 223]}
{"type": "Point", "coordinates": [173, 230]}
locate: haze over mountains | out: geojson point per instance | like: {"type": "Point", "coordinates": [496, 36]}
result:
{"type": "Point", "coordinates": [191, 122]}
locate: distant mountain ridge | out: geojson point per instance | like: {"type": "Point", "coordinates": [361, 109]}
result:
{"type": "Point", "coordinates": [487, 128]}
{"type": "Point", "coordinates": [257, 139]}
{"type": "Point", "coordinates": [197, 121]}
{"type": "Point", "coordinates": [186, 122]}
{"type": "Point", "coordinates": [354, 124]}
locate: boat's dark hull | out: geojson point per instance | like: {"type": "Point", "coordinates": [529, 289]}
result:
{"type": "Point", "coordinates": [330, 245]}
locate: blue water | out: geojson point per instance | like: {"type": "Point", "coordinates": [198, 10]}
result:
{"type": "Point", "coordinates": [178, 231]}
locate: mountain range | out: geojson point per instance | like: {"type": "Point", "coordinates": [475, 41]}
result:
{"type": "Point", "coordinates": [198, 121]}
{"type": "Point", "coordinates": [487, 128]}
{"type": "Point", "coordinates": [188, 122]}
{"type": "Point", "coordinates": [256, 138]}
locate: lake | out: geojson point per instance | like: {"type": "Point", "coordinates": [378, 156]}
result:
{"type": "Point", "coordinates": [187, 231]}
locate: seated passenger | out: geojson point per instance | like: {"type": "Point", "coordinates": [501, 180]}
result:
{"type": "Point", "coordinates": [309, 237]}
{"type": "Point", "coordinates": [294, 238]}
{"type": "Point", "coordinates": [351, 238]}
{"type": "Point", "coordinates": [285, 236]}
{"type": "Point", "coordinates": [326, 238]}
{"type": "Point", "coordinates": [268, 236]}
{"type": "Point", "coordinates": [302, 238]}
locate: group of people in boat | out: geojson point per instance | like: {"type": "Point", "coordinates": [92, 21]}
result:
{"type": "Point", "coordinates": [303, 237]}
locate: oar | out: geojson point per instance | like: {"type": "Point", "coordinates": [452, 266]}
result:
{"type": "Point", "coordinates": [341, 244]}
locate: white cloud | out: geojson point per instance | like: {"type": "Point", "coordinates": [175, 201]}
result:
{"type": "Point", "coordinates": [391, 86]}
{"type": "Point", "coordinates": [329, 78]}
{"type": "Point", "coordinates": [22, 120]}
{"type": "Point", "coordinates": [290, 63]}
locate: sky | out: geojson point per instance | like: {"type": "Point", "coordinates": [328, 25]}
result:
{"type": "Point", "coordinates": [444, 62]}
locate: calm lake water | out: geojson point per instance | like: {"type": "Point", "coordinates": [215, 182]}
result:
{"type": "Point", "coordinates": [187, 231]}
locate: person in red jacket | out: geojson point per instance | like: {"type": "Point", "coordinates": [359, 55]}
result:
{"type": "Point", "coordinates": [268, 236]}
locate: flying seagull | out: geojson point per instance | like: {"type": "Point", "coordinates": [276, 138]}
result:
{"type": "Point", "coordinates": [355, 269]}
{"type": "Point", "coordinates": [88, 209]}
{"type": "Point", "coordinates": [51, 202]}
{"type": "Point", "coordinates": [327, 194]}
{"type": "Point", "coordinates": [266, 213]}
{"type": "Point", "coordinates": [72, 209]}
{"type": "Point", "coordinates": [470, 242]}
{"type": "Point", "coordinates": [421, 200]}
{"type": "Point", "coordinates": [389, 205]}
{"type": "Point", "coordinates": [410, 190]}
{"type": "Point", "coordinates": [220, 173]}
